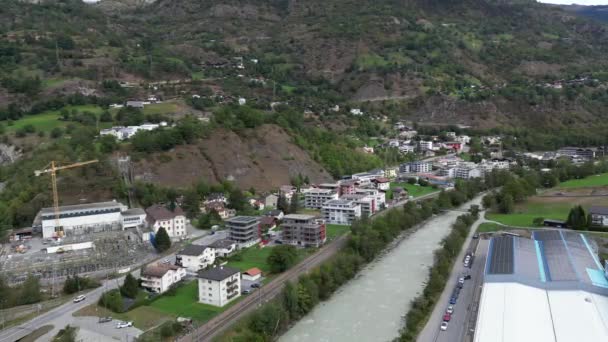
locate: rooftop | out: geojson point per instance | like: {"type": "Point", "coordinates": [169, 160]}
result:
{"type": "Point", "coordinates": [159, 212]}
{"type": "Point", "coordinates": [223, 243]}
{"type": "Point", "coordinates": [134, 211]}
{"type": "Point", "coordinates": [157, 270]}
{"type": "Point", "coordinates": [82, 207]}
{"type": "Point", "coordinates": [243, 219]}
{"type": "Point", "coordinates": [218, 273]}
{"type": "Point", "coordinates": [597, 210]}
{"type": "Point", "coordinates": [299, 217]}
{"type": "Point", "coordinates": [193, 250]}
{"type": "Point", "coordinates": [337, 202]}
{"type": "Point", "coordinates": [253, 271]}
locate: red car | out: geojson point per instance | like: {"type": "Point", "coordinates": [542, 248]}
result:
{"type": "Point", "coordinates": [447, 317]}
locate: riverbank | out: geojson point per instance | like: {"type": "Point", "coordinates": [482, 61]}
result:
{"type": "Point", "coordinates": [368, 240]}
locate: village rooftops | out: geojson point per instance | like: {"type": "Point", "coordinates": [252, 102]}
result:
{"type": "Point", "coordinates": [193, 250]}
{"type": "Point", "coordinates": [218, 273]}
{"type": "Point", "coordinates": [598, 210]}
{"type": "Point", "coordinates": [160, 213]}
{"type": "Point", "coordinates": [223, 243]}
{"type": "Point", "coordinates": [253, 271]}
{"type": "Point", "coordinates": [157, 270]}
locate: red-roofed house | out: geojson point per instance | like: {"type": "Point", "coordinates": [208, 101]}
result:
{"type": "Point", "coordinates": [382, 183]}
{"type": "Point", "coordinates": [174, 221]}
{"type": "Point", "coordinates": [252, 274]}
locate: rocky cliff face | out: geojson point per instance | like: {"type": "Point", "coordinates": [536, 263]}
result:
{"type": "Point", "coordinates": [8, 154]}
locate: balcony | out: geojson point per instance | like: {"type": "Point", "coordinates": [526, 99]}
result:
{"type": "Point", "coordinates": [232, 282]}
{"type": "Point", "coordinates": [232, 295]}
{"type": "Point", "coordinates": [232, 288]}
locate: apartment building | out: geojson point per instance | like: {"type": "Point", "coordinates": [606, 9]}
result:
{"type": "Point", "coordinates": [303, 230]}
{"type": "Point", "coordinates": [367, 203]}
{"type": "Point", "coordinates": [159, 278]}
{"type": "Point", "coordinates": [245, 230]}
{"type": "Point", "coordinates": [425, 145]}
{"type": "Point", "coordinates": [379, 196]}
{"type": "Point", "coordinates": [219, 285]}
{"type": "Point", "coordinates": [467, 172]}
{"type": "Point", "coordinates": [416, 167]}
{"type": "Point", "coordinates": [341, 211]}
{"type": "Point", "coordinates": [195, 257]}
{"type": "Point", "coordinates": [315, 198]}
{"type": "Point", "coordinates": [347, 186]}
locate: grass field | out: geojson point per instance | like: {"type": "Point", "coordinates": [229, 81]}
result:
{"type": "Point", "coordinates": [251, 257]}
{"type": "Point", "coordinates": [592, 181]}
{"type": "Point", "coordinates": [413, 190]}
{"type": "Point", "coordinates": [48, 120]}
{"type": "Point", "coordinates": [535, 207]}
{"type": "Point", "coordinates": [487, 227]}
{"type": "Point", "coordinates": [185, 304]}
{"type": "Point", "coordinates": [335, 230]}
{"type": "Point", "coordinates": [161, 108]}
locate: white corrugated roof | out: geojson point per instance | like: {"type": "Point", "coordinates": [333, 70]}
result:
{"type": "Point", "coordinates": [513, 312]}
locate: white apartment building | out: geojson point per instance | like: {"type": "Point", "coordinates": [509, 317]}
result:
{"type": "Point", "coordinates": [174, 221]}
{"type": "Point", "coordinates": [416, 167]}
{"type": "Point", "coordinates": [425, 145]}
{"type": "Point", "coordinates": [315, 198]}
{"type": "Point", "coordinates": [467, 172]}
{"type": "Point", "coordinates": [379, 196]}
{"type": "Point", "coordinates": [367, 203]}
{"type": "Point", "coordinates": [80, 219]}
{"type": "Point", "coordinates": [158, 278]}
{"type": "Point", "coordinates": [223, 247]}
{"type": "Point", "coordinates": [341, 211]}
{"type": "Point", "coordinates": [219, 285]}
{"type": "Point", "coordinates": [195, 257]}
{"type": "Point", "coordinates": [407, 148]}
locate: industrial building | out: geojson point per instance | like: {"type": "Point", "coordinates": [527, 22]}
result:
{"type": "Point", "coordinates": [303, 230]}
{"type": "Point", "coordinates": [546, 289]}
{"type": "Point", "coordinates": [81, 219]}
{"type": "Point", "coordinates": [245, 230]}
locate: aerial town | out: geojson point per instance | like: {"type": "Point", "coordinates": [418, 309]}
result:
{"type": "Point", "coordinates": [303, 171]}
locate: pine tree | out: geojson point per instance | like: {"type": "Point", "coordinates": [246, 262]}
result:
{"type": "Point", "coordinates": [294, 205]}
{"type": "Point", "coordinates": [282, 204]}
{"type": "Point", "coordinates": [163, 242]}
{"type": "Point", "coordinates": [130, 287]}
{"type": "Point", "coordinates": [577, 218]}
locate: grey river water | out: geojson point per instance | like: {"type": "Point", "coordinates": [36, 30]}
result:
{"type": "Point", "coordinates": [371, 306]}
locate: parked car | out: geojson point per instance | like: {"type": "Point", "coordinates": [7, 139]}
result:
{"type": "Point", "coordinates": [166, 261]}
{"type": "Point", "coordinates": [255, 286]}
{"type": "Point", "coordinates": [467, 277]}
{"type": "Point", "coordinates": [121, 325]}
{"type": "Point", "coordinates": [278, 242]}
{"type": "Point", "coordinates": [450, 309]}
{"type": "Point", "coordinates": [476, 236]}
{"type": "Point", "coordinates": [447, 317]}
{"type": "Point", "coordinates": [444, 326]}
{"type": "Point", "coordinates": [105, 319]}
{"type": "Point", "coordinates": [461, 280]}
{"type": "Point", "coordinates": [80, 298]}
{"type": "Point", "coordinates": [246, 292]}
{"type": "Point", "coordinates": [453, 300]}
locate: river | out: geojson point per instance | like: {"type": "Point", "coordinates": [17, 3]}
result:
{"type": "Point", "coordinates": [371, 306]}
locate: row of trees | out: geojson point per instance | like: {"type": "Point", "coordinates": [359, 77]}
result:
{"type": "Point", "coordinates": [368, 239]}
{"type": "Point", "coordinates": [26, 293]}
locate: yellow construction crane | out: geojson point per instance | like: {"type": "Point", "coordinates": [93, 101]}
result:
{"type": "Point", "coordinates": [52, 168]}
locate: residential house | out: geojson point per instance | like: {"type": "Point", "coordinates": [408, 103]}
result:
{"type": "Point", "coordinates": [366, 177]}
{"type": "Point", "coordinates": [252, 274]}
{"type": "Point", "coordinates": [219, 208]}
{"type": "Point", "coordinates": [408, 134]}
{"type": "Point", "coordinates": [271, 201]}
{"type": "Point", "coordinates": [245, 230]}
{"type": "Point", "coordinates": [288, 192]}
{"type": "Point", "coordinates": [315, 199]}
{"type": "Point", "coordinates": [454, 146]}
{"type": "Point", "coordinates": [174, 221]}
{"type": "Point", "coordinates": [276, 214]}
{"type": "Point", "coordinates": [391, 172]}
{"type": "Point", "coordinates": [223, 248]}
{"type": "Point", "coordinates": [219, 285]}
{"type": "Point", "coordinates": [368, 149]}
{"type": "Point", "coordinates": [159, 278]}
{"type": "Point", "coordinates": [195, 257]}
{"type": "Point", "coordinates": [425, 145]}
{"type": "Point", "coordinates": [599, 216]}
{"type": "Point", "coordinates": [407, 148]}
{"type": "Point", "coordinates": [340, 211]}
{"type": "Point", "coordinates": [268, 223]}
{"type": "Point", "coordinates": [135, 104]}
{"type": "Point", "coordinates": [216, 197]}
{"type": "Point", "coordinates": [378, 196]}
{"type": "Point", "coordinates": [303, 230]}
{"type": "Point", "coordinates": [257, 204]}
{"type": "Point", "coordinates": [399, 193]}
{"type": "Point", "coordinates": [382, 183]}
{"type": "Point", "coordinates": [467, 172]}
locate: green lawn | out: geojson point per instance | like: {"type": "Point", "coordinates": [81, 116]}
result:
{"type": "Point", "coordinates": [143, 317]}
{"type": "Point", "coordinates": [488, 227]}
{"type": "Point", "coordinates": [525, 214]}
{"type": "Point", "coordinates": [185, 304]}
{"type": "Point", "coordinates": [48, 120]}
{"type": "Point", "coordinates": [161, 108]}
{"type": "Point", "coordinates": [251, 257]}
{"type": "Point", "coordinates": [335, 230]}
{"type": "Point", "coordinates": [413, 190]}
{"type": "Point", "coordinates": [591, 181]}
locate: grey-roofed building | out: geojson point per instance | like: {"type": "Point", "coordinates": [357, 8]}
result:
{"type": "Point", "coordinates": [599, 216]}
{"type": "Point", "coordinates": [303, 230]}
{"type": "Point", "coordinates": [223, 247]}
{"type": "Point", "coordinates": [245, 230]}
{"type": "Point", "coordinates": [219, 285]}
{"type": "Point", "coordinates": [195, 257]}
{"type": "Point", "coordinates": [80, 219]}
{"type": "Point", "coordinates": [341, 211]}
{"type": "Point", "coordinates": [548, 288]}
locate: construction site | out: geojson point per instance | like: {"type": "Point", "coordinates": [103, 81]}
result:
{"type": "Point", "coordinates": [89, 239]}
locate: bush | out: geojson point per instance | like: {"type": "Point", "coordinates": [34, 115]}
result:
{"type": "Point", "coordinates": [112, 300]}
{"type": "Point", "coordinates": [76, 284]}
{"type": "Point", "coordinates": [538, 221]}
{"type": "Point", "coordinates": [281, 258]}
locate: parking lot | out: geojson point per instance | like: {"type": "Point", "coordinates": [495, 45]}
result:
{"type": "Point", "coordinates": [462, 321]}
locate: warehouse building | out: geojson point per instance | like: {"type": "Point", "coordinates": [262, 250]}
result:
{"type": "Point", "coordinates": [546, 289]}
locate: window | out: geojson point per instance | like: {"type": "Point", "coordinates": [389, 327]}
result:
{"type": "Point", "coordinates": [210, 289]}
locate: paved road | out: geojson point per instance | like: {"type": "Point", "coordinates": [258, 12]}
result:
{"type": "Point", "coordinates": [62, 315]}
{"type": "Point", "coordinates": [464, 307]}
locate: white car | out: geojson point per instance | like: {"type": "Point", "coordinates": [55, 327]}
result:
{"type": "Point", "coordinates": [79, 299]}
{"type": "Point", "coordinates": [444, 326]}
{"type": "Point", "coordinates": [450, 309]}
{"type": "Point", "coordinates": [461, 280]}
{"type": "Point", "coordinates": [121, 325]}
{"type": "Point", "coordinates": [166, 261]}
